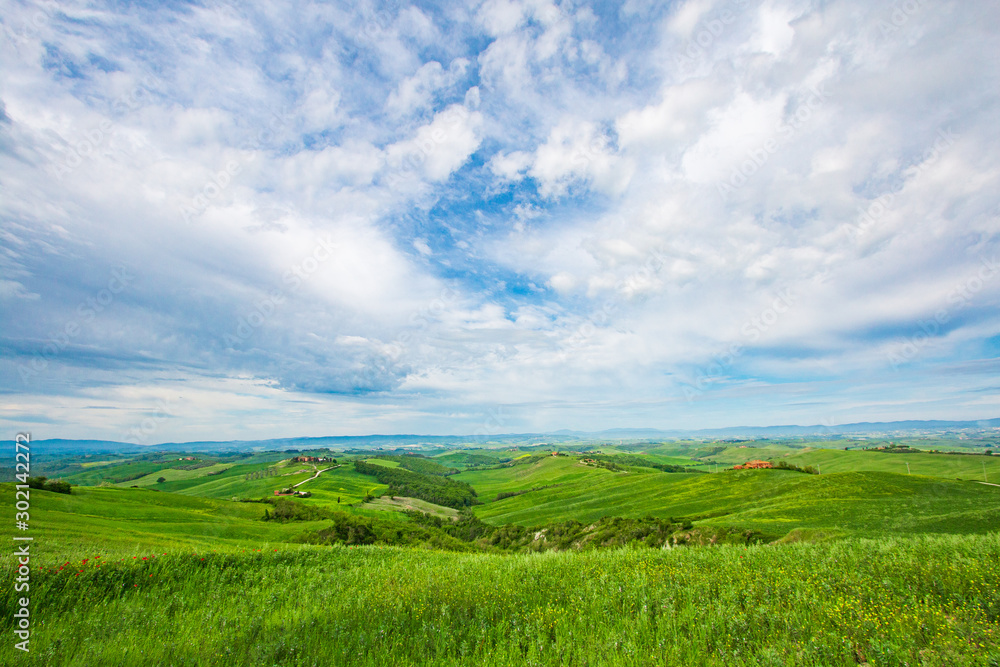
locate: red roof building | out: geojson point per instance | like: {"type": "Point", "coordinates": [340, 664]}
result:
{"type": "Point", "coordinates": [753, 465]}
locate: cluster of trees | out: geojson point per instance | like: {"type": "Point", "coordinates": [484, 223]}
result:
{"type": "Point", "coordinates": [477, 460]}
{"type": "Point", "coordinates": [510, 463]}
{"type": "Point", "coordinates": [349, 529]}
{"type": "Point", "coordinates": [897, 449]}
{"type": "Point", "coordinates": [471, 534]}
{"type": "Point", "coordinates": [289, 510]}
{"type": "Point", "coordinates": [573, 535]}
{"type": "Point", "coordinates": [511, 494]}
{"type": "Point", "coordinates": [615, 461]}
{"type": "Point", "coordinates": [128, 478]}
{"type": "Point", "coordinates": [260, 474]}
{"type": "Point", "coordinates": [195, 466]}
{"type": "Point", "coordinates": [785, 465]}
{"type": "Point", "coordinates": [420, 464]}
{"type": "Point", "coordinates": [435, 489]}
{"type": "Point", "coordinates": [45, 484]}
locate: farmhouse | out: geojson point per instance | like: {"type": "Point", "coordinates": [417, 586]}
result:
{"type": "Point", "coordinates": [753, 465]}
{"type": "Point", "coordinates": [292, 492]}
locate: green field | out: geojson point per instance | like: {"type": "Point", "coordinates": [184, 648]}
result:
{"type": "Point", "coordinates": [863, 564]}
{"type": "Point", "coordinates": [917, 601]}
{"type": "Point", "coordinates": [772, 501]}
{"type": "Point", "coordinates": [382, 462]}
{"type": "Point", "coordinates": [966, 466]}
{"type": "Point", "coordinates": [116, 522]}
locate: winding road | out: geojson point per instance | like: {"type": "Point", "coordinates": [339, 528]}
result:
{"type": "Point", "coordinates": [314, 476]}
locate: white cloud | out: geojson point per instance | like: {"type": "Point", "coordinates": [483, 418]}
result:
{"type": "Point", "coordinates": [422, 247]}
{"type": "Point", "coordinates": [591, 255]}
{"type": "Point", "coordinates": [578, 151]}
{"type": "Point", "coordinates": [416, 92]}
{"type": "Point", "coordinates": [687, 16]}
{"type": "Point", "coordinates": [441, 146]}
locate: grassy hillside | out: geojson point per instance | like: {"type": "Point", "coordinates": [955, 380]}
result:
{"type": "Point", "coordinates": [176, 475]}
{"type": "Point", "coordinates": [383, 462]}
{"type": "Point", "coordinates": [772, 501]}
{"type": "Point", "coordinates": [113, 521]}
{"type": "Point", "coordinates": [343, 483]}
{"type": "Point", "coordinates": [949, 466]}
{"type": "Point", "coordinates": [927, 601]}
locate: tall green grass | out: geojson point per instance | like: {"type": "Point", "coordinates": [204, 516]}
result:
{"type": "Point", "coordinates": [898, 601]}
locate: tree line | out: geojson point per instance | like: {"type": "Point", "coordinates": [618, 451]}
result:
{"type": "Point", "coordinates": [432, 488]}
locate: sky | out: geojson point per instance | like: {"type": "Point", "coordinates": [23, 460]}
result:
{"type": "Point", "coordinates": [261, 220]}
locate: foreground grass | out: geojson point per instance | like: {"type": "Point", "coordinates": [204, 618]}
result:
{"type": "Point", "coordinates": [894, 601]}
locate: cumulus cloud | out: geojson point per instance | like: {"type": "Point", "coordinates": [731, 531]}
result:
{"type": "Point", "coordinates": [416, 92]}
{"type": "Point", "coordinates": [694, 214]}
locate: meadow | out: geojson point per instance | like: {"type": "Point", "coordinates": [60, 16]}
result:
{"type": "Point", "coordinates": [857, 566]}
{"type": "Point", "coordinates": [773, 501]}
{"type": "Point", "coordinates": [892, 601]}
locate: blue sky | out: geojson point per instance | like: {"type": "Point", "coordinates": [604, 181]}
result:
{"type": "Point", "coordinates": [247, 221]}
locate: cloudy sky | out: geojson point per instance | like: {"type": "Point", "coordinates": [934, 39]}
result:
{"type": "Point", "coordinates": [231, 220]}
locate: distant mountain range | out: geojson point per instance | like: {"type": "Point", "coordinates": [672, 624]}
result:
{"type": "Point", "coordinates": [794, 430]}
{"type": "Point", "coordinates": [59, 446]}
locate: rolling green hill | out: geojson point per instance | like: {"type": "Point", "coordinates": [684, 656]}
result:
{"type": "Point", "coordinates": [113, 521]}
{"type": "Point", "coordinates": [135, 576]}
{"type": "Point", "coordinates": [949, 466]}
{"type": "Point", "coordinates": [772, 501]}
